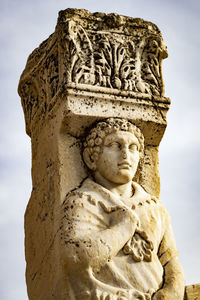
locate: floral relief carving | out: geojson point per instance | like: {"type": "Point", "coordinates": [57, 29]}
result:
{"type": "Point", "coordinates": [106, 60]}
{"type": "Point", "coordinates": [82, 61]}
{"type": "Point", "coordinates": [30, 93]}
{"type": "Point", "coordinates": [140, 247]}
{"type": "Point", "coordinates": [114, 67]}
{"type": "Point", "coordinates": [151, 65]}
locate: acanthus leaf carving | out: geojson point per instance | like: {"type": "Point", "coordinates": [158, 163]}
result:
{"type": "Point", "coordinates": [151, 64]}
{"type": "Point", "coordinates": [106, 60]}
{"type": "Point", "coordinates": [82, 61]}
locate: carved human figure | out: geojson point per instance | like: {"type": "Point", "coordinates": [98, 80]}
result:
{"type": "Point", "coordinates": [116, 239]}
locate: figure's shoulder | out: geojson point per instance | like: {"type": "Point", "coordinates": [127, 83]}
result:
{"type": "Point", "coordinates": [81, 195]}
{"type": "Point", "coordinates": [141, 196]}
{"type": "Point", "coordinates": [74, 198]}
{"type": "Point", "coordinates": [162, 209]}
{"type": "Point", "coordinates": [159, 205]}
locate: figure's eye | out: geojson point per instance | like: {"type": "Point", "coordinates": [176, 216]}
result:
{"type": "Point", "coordinates": [133, 147]}
{"type": "Point", "coordinates": [115, 145]}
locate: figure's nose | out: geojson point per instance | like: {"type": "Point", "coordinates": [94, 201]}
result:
{"type": "Point", "coordinates": [124, 153]}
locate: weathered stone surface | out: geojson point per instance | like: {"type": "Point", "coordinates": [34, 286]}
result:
{"type": "Point", "coordinates": [98, 67]}
{"type": "Point", "coordinates": [192, 292]}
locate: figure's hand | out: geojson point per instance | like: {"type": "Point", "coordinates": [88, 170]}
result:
{"type": "Point", "coordinates": [124, 215]}
{"type": "Point", "coordinates": [161, 295]}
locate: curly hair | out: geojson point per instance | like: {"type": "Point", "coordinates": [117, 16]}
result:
{"type": "Point", "coordinates": [97, 133]}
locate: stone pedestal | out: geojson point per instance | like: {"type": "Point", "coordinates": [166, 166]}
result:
{"type": "Point", "coordinates": [93, 66]}
{"type": "Point", "coordinates": [192, 292]}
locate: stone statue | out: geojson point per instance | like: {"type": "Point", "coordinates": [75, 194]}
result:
{"type": "Point", "coordinates": [116, 240]}
{"type": "Point", "coordinates": [110, 237]}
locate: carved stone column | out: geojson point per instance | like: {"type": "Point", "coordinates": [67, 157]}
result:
{"type": "Point", "coordinates": [93, 66]}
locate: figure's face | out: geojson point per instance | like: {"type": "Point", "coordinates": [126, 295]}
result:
{"type": "Point", "coordinates": [119, 158]}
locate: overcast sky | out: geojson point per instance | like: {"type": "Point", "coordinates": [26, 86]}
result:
{"type": "Point", "coordinates": [24, 25]}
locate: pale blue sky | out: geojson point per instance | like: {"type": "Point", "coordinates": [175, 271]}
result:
{"type": "Point", "coordinates": [24, 25]}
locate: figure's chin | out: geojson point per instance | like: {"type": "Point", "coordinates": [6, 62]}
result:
{"type": "Point", "coordinates": [124, 177]}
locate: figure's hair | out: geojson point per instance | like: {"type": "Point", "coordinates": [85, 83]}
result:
{"type": "Point", "coordinates": [97, 133]}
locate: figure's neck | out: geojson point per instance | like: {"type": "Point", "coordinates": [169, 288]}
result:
{"type": "Point", "coordinates": [124, 190]}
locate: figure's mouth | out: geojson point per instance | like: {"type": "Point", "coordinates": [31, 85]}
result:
{"type": "Point", "coordinates": [124, 165]}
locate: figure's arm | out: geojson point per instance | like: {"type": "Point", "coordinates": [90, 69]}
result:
{"type": "Point", "coordinates": [85, 244]}
{"type": "Point", "coordinates": [174, 280]}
